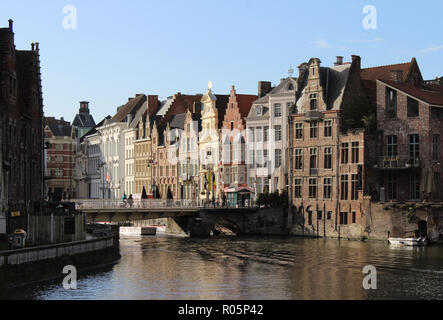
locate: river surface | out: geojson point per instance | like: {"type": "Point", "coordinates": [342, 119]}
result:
{"type": "Point", "coordinates": [253, 268]}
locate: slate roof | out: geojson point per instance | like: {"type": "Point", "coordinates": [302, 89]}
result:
{"type": "Point", "coordinates": [83, 120]}
{"type": "Point", "coordinates": [94, 130]}
{"type": "Point", "coordinates": [130, 107]}
{"type": "Point", "coordinates": [432, 94]}
{"type": "Point", "coordinates": [178, 121]}
{"type": "Point", "coordinates": [221, 104]}
{"type": "Point", "coordinates": [139, 115]}
{"type": "Point", "coordinates": [334, 81]}
{"type": "Point", "coordinates": [60, 130]}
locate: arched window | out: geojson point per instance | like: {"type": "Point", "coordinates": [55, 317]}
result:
{"type": "Point", "coordinates": [238, 149]}
{"type": "Point", "coordinates": [226, 150]}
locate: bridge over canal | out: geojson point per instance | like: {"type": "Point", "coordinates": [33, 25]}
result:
{"type": "Point", "coordinates": [183, 217]}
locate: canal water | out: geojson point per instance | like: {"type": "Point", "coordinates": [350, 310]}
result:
{"type": "Point", "coordinates": [254, 268]}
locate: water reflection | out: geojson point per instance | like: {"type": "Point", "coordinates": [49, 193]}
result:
{"type": "Point", "coordinates": [255, 268]}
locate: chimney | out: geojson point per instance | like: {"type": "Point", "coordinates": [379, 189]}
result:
{"type": "Point", "coordinates": [357, 61]}
{"type": "Point", "coordinates": [397, 76]}
{"type": "Point", "coordinates": [84, 107]}
{"type": "Point", "coordinates": [339, 61]}
{"type": "Point", "coordinates": [264, 87]}
{"type": "Point", "coordinates": [11, 25]}
{"type": "Point", "coordinates": [32, 46]}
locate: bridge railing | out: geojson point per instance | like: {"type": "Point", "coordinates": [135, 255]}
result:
{"type": "Point", "coordinates": [81, 204]}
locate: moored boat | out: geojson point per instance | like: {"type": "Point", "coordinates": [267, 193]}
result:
{"type": "Point", "coordinates": [412, 242]}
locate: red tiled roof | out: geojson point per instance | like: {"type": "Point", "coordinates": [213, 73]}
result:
{"type": "Point", "coordinates": [245, 103]}
{"type": "Point", "coordinates": [432, 94]}
{"type": "Point", "coordinates": [369, 76]}
{"type": "Point", "coordinates": [384, 72]}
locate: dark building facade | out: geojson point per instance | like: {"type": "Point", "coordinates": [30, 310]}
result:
{"type": "Point", "coordinates": [21, 117]}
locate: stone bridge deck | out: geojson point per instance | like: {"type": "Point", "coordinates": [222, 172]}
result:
{"type": "Point", "coordinates": [119, 211]}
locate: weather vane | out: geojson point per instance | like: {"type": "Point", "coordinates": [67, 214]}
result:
{"type": "Point", "coordinates": [291, 71]}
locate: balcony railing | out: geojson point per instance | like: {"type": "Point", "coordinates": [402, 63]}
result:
{"type": "Point", "coordinates": [314, 115]}
{"type": "Point", "coordinates": [396, 163]}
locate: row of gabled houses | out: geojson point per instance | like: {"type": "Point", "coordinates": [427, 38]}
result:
{"type": "Point", "coordinates": [330, 137]}
{"type": "Point", "coordinates": [338, 139]}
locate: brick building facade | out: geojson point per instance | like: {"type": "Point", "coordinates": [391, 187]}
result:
{"type": "Point", "coordinates": [21, 126]}
{"type": "Point", "coordinates": [234, 170]}
{"type": "Point", "coordinates": [60, 140]}
{"type": "Point", "coordinates": [327, 157]}
{"type": "Point", "coordinates": [410, 127]}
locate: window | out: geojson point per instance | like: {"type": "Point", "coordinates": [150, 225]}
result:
{"type": "Point", "coordinates": [437, 185]}
{"type": "Point", "coordinates": [392, 146]}
{"type": "Point", "coordinates": [414, 148]}
{"type": "Point", "coordinates": [343, 218]}
{"type": "Point", "coordinates": [310, 218]}
{"type": "Point", "coordinates": [265, 158]}
{"type": "Point", "coordinates": [328, 128]}
{"type": "Point", "coordinates": [354, 217]}
{"type": "Point", "coordinates": [344, 153]}
{"type": "Point", "coordinates": [59, 147]}
{"type": "Point", "coordinates": [259, 158]}
{"type": "Point", "coordinates": [314, 130]}
{"type": "Point", "coordinates": [313, 158]}
{"type": "Point", "coordinates": [251, 134]}
{"type": "Point", "coordinates": [298, 188]}
{"type": "Point", "coordinates": [391, 103]}
{"type": "Point", "coordinates": [59, 159]}
{"type": "Point", "coordinates": [319, 215]}
{"type": "Point", "coordinates": [354, 187]}
{"type": "Point", "coordinates": [277, 110]}
{"type": "Point", "coordinates": [259, 111]}
{"type": "Point", "coordinates": [392, 187]}
{"type": "Point", "coordinates": [413, 110]}
{"type": "Point", "coordinates": [329, 215]}
{"type": "Point", "coordinates": [12, 86]}
{"type": "Point", "coordinates": [436, 147]}
{"type": "Point", "coordinates": [299, 131]}
{"type": "Point", "coordinates": [278, 158]}
{"type": "Point", "coordinates": [355, 152]}
{"type": "Point", "coordinates": [414, 186]}
{"type": "Point", "coordinates": [232, 125]}
{"type": "Point", "coordinates": [265, 134]}
{"type": "Point", "coordinates": [327, 188]}
{"type": "Point", "coordinates": [313, 102]}
{"type": "Point", "coordinates": [298, 159]}
{"type": "Point", "coordinates": [328, 158]}
{"type": "Point", "coordinates": [259, 132]}
{"type": "Point", "coordinates": [312, 188]}
{"type": "Point", "coordinates": [278, 135]}
{"type": "Point", "coordinates": [344, 187]}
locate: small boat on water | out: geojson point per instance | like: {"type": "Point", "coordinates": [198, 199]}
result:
{"type": "Point", "coordinates": [411, 242]}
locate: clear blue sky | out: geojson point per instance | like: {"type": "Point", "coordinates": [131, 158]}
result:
{"type": "Point", "coordinates": [121, 48]}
